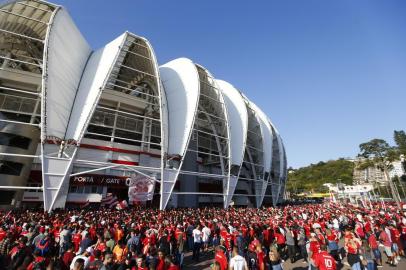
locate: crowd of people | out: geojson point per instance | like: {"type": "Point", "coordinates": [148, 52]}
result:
{"type": "Point", "coordinates": [321, 236]}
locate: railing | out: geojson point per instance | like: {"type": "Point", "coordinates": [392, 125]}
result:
{"type": "Point", "coordinates": [130, 124]}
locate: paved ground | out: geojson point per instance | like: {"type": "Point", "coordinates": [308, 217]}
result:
{"type": "Point", "coordinates": [207, 259]}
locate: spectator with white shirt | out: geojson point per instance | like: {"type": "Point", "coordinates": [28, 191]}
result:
{"type": "Point", "coordinates": [206, 237]}
{"type": "Point", "coordinates": [237, 262]}
{"type": "Point", "coordinates": [197, 242]}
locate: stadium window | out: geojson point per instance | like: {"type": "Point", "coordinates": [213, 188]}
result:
{"type": "Point", "coordinates": [14, 140]}
{"type": "Point", "coordinates": [10, 168]}
{"type": "Point", "coordinates": [94, 189]}
{"type": "Point", "coordinates": [88, 189]}
{"type": "Point", "coordinates": [100, 130]}
{"type": "Point", "coordinates": [80, 189]}
{"type": "Point", "coordinates": [73, 189]}
{"type": "Point", "coordinates": [100, 189]}
{"type": "Point", "coordinates": [17, 117]}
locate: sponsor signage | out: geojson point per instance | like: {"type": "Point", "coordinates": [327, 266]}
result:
{"type": "Point", "coordinates": [103, 180]}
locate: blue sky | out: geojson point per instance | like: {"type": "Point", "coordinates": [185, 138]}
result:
{"type": "Point", "coordinates": [330, 74]}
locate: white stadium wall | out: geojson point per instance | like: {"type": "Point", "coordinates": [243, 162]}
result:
{"type": "Point", "coordinates": [114, 113]}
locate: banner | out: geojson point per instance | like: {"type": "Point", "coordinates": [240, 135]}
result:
{"type": "Point", "coordinates": [141, 189]}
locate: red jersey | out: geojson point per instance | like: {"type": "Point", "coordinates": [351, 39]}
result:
{"type": "Point", "coordinates": [2, 235]}
{"type": "Point", "coordinates": [359, 229]}
{"type": "Point", "coordinates": [384, 237]}
{"type": "Point", "coordinates": [395, 235]}
{"type": "Point", "coordinates": [351, 245]}
{"type": "Point", "coordinates": [36, 261]}
{"type": "Point", "coordinates": [101, 246]}
{"type": "Point", "coordinates": [324, 261]}
{"type": "Point", "coordinates": [76, 238]}
{"type": "Point", "coordinates": [221, 259]}
{"type": "Point", "coordinates": [368, 227]}
{"type": "Point", "coordinates": [67, 258]}
{"type": "Point", "coordinates": [160, 265]}
{"type": "Point", "coordinates": [314, 248]}
{"type": "Point", "coordinates": [227, 239]}
{"type": "Point", "coordinates": [261, 258]}
{"type": "Point", "coordinates": [332, 237]}
{"type": "Point", "coordinates": [265, 234]}
{"type": "Point", "coordinates": [321, 238]}
{"type": "Point", "coordinates": [280, 238]}
{"type": "Point", "coordinates": [372, 241]}
{"type": "Point", "coordinates": [307, 230]}
{"type": "Point", "coordinates": [179, 233]}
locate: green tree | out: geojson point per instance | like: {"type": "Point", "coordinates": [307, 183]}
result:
{"type": "Point", "coordinates": [382, 155]}
{"type": "Point", "coordinates": [400, 139]}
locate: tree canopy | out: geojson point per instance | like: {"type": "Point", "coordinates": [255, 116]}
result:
{"type": "Point", "coordinates": [400, 139]}
{"type": "Point", "coordinates": [314, 176]}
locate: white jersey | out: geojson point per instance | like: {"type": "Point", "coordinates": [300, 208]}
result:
{"type": "Point", "coordinates": [197, 236]}
{"type": "Point", "coordinates": [206, 234]}
{"type": "Point", "coordinates": [238, 263]}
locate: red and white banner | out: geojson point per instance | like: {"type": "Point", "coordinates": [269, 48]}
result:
{"type": "Point", "coordinates": [141, 189]}
{"type": "Point", "coordinates": [109, 201]}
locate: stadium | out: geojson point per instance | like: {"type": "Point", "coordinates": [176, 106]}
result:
{"type": "Point", "coordinates": [79, 125]}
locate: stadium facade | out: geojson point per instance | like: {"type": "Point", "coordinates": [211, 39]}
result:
{"type": "Point", "coordinates": [77, 124]}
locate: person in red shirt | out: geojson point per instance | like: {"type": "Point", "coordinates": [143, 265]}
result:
{"type": "Point", "coordinates": [161, 261]}
{"type": "Point", "coordinates": [314, 246]}
{"type": "Point", "coordinates": [280, 240]}
{"type": "Point", "coordinates": [260, 258]}
{"type": "Point", "coordinates": [76, 238]}
{"type": "Point", "coordinates": [221, 258]}
{"type": "Point", "coordinates": [37, 262]}
{"type": "Point", "coordinates": [373, 244]}
{"type": "Point", "coordinates": [387, 243]}
{"type": "Point", "coordinates": [324, 261]}
{"type": "Point", "coordinates": [2, 234]}
{"type": "Point", "coordinates": [68, 256]}
{"type": "Point", "coordinates": [141, 264]}
{"type": "Point", "coordinates": [320, 236]}
{"type": "Point", "coordinates": [403, 234]}
{"type": "Point", "coordinates": [352, 245]}
{"type": "Point", "coordinates": [395, 237]}
{"type": "Point", "coordinates": [227, 237]}
{"type": "Point", "coordinates": [101, 245]}
{"type": "Point", "coordinates": [170, 265]}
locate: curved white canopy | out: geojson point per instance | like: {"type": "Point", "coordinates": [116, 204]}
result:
{"type": "Point", "coordinates": [66, 61]}
{"type": "Point", "coordinates": [93, 81]}
{"type": "Point", "coordinates": [238, 120]}
{"type": "Point", "coordinates": [267, 137]}
{"type": "Point", "coordinates": [181, 85]}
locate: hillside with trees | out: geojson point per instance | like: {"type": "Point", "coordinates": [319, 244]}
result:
{"type": "Point", "coordinates": [376, 152]}
{"type": "Point", "coordinates": [314, 176]}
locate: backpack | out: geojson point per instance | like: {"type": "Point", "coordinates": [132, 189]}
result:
{"type": "Point", "coordinates": [252, 260]}
{"type": "Point", "coordinates": [43, 246]}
